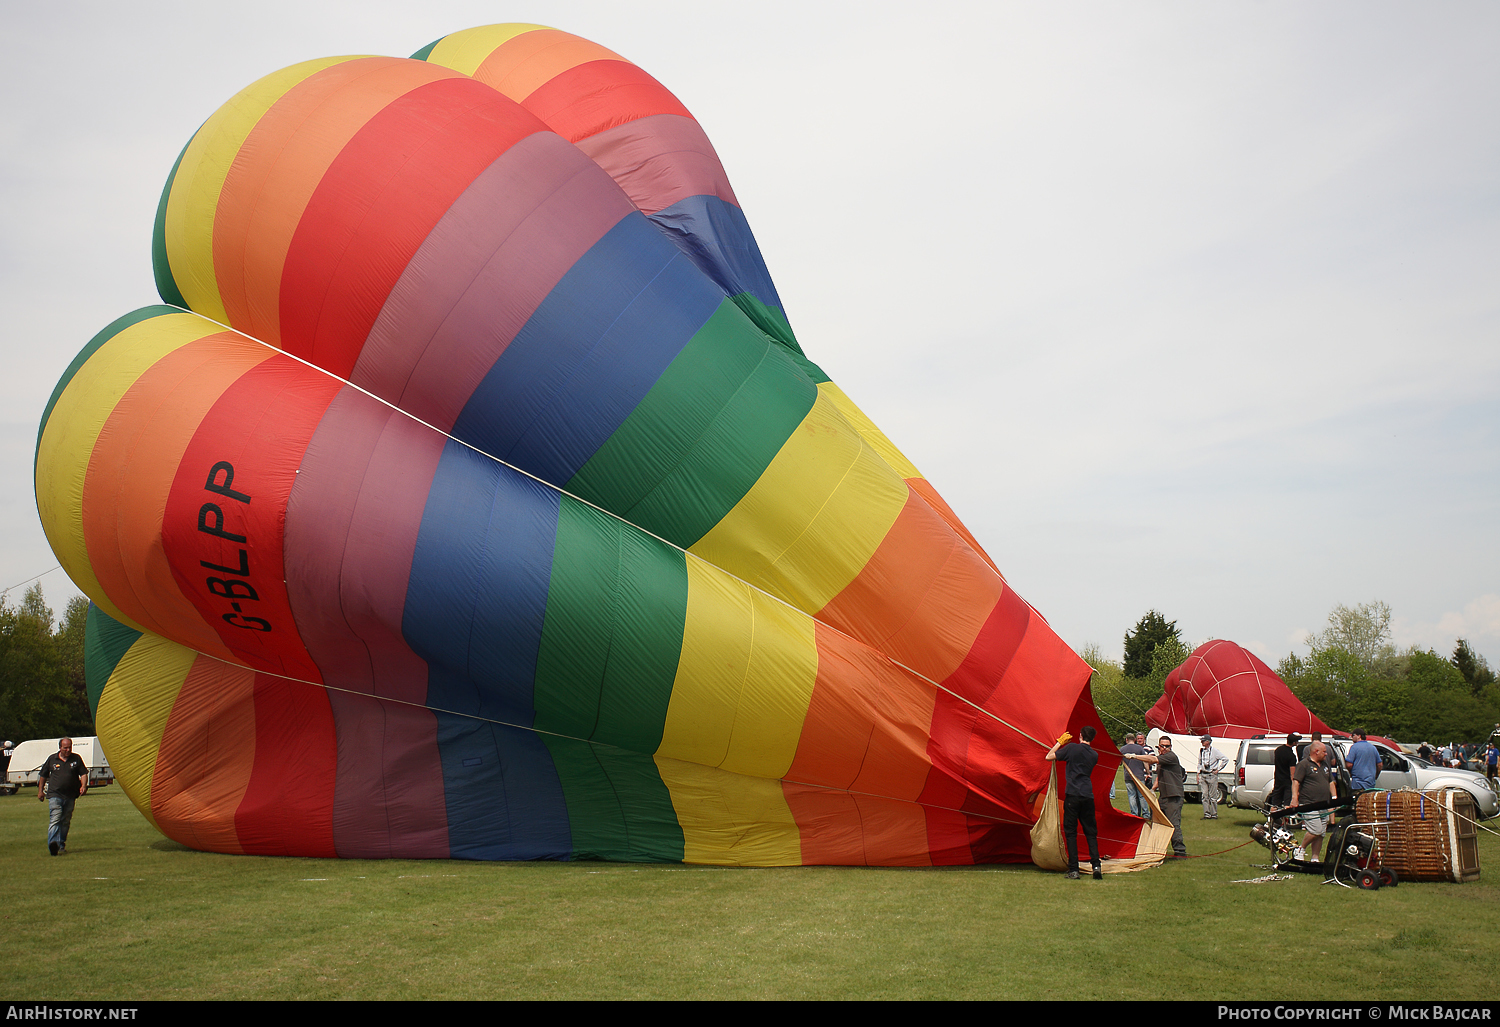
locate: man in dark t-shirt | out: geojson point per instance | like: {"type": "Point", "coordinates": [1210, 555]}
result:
{"type": "Point", "coordinates": [1285, 758]}
{"type": "Point", "coordinates": [1314, 780]}
{"type": "Point", "coordinates": [64, 777]}
{"type": "Point", "coordinates": [1078, 802]}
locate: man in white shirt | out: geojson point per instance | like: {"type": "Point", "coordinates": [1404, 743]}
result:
{"type": "Point", "coordinates": [1210, 762]}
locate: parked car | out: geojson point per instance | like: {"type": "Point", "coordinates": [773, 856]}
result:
{"type": "Point", "coordinates": [1186, 747]}
{"type": "Point", "coordinates": [1255, 769]}
{"type": "Point", "coordinates": [1430, 776]}
{"type": "Point", "coordinates": [1396, 770]}
{"type": "Point", "coordinates": [27, 758]}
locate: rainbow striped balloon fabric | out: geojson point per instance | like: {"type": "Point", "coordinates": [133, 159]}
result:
{"type": "Point", "coordinates": [470, 495]}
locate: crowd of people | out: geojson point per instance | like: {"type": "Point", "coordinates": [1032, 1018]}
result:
{"type": "Point", "coordinates": [1463, 755]}
{"type": "Point", "coordinates": [1311, 780]}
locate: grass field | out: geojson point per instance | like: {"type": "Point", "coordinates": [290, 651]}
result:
{"type": "Point", "coordinates": [128, 915]}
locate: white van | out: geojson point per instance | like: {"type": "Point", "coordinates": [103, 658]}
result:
{"type": "Point", "coordinates": [1186, 749]}
{"type": "Point", "coordinates": [27, 758]}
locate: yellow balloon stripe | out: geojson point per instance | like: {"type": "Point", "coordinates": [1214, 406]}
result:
{"type": "Point", "coordinates": [730, 820]}
{"type": "Point", "coordinates": [814, 517]}
{"type": "Point", "coordinates": [744, 678]}
{"type": "Point", "coordinates": [133, 710]}
{"type": "Point", "coordinates": [200, 178]}
{"type": "Point", "coordinates": [465, 51]}
{"type": "Point", "coordinates": [73, 430]}
{"type": "Point", "coordinates": [873, 436]}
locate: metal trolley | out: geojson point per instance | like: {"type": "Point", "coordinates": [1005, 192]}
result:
{"type": "Point", "coordinates": [1353, 847]}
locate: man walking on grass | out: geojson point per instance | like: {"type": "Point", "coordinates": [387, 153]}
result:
{"type": "Point", "coordinates": [63, 779]}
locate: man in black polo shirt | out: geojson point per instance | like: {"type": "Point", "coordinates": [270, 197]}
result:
{"type": "Point", "coordinates": [1285, 760]}
{"type": "Point", "coordinates": [1078, 803]}
{"type": "Point", "coordinates": [63, 779]}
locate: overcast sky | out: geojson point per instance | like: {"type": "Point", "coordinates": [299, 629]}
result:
{"type": "Point", "coordinates": [1192, 306]}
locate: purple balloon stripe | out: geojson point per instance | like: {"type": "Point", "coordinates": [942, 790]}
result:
{"type": "Point", "coordinates": [482, 272]}
{"type": "Point", "coordinates": [364, 479]}
{"type": "Point", "coordinates": [388, 799]}
{"type": "Point", "coordinates": [659, 160]}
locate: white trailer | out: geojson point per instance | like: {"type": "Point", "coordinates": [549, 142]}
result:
{"type": "Point", "coordinates": [1186, 749]}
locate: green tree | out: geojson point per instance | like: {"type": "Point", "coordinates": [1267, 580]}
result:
{"type": "Point", "coordinates": [1353, 677]}
{"type": "Point", "coordinates": [1122, 701]}
{"type": "Point", "coordinates": [35, 605]}
{"type": "Point", "coordinates": [70, 639]}
{"type": "Point", "coordinates": [41, 673]}
{"type": "Point", "coordinates": [1362, 631]}
{"type": "Point", "coordinates": [1443, 709]}
{"type": "Point", "coordinates": [1141, 641]}
{"type": "Point", "coordinates": [1114, 694]}
{"type": "Point", "coordinates": [1165, 658]}
{"type": "Point", "coordinates": [1475, 668]}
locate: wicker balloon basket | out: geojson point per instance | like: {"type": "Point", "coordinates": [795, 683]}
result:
{"type": "Point", "coordinates": [1432, 835]}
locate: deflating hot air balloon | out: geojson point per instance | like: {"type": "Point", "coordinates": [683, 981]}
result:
{"type": "Point", "coordinates": [1225, 690]}
{"type": "Point", "coordinates": [471, 496]}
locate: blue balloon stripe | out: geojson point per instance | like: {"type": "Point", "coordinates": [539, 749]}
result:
{"type": "Point", "coordinates": [477, 596]}
{"type": "Point", "coordinates": [502, 793]}
{"type": "Point", "coordinates": [717, 237]}
{"type": "Point", "coordinates": [590, 352]}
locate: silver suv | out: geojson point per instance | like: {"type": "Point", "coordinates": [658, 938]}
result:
{"type": "Point", "coordinates": [1255, 770]}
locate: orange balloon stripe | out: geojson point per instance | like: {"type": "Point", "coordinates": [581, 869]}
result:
{"type": "Point", "coordinates": [130, 473]}
{"type": "Point", "coordinates": [279, 167]}
{"type": "Point", "coordinates": [206, 757]}
{"type": "Point", "coordinates": [924, 488]}
{"type": "Point", "coordinates": [923, 597]}
{"type": "Point", "coordinates": [523, 64]}
{"type": "Point", "coordinates": [859, 693]}
{"type": "Point", "coordinates": [843, 829]}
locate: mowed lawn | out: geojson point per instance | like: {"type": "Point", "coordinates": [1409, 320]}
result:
{"type": "Point", "coordinates": [130, 915]}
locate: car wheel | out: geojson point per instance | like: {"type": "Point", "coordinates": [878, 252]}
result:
{"type": "Point", "coordinates": [1223, 795]}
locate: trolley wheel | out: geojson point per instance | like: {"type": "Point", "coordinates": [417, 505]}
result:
{"type": "Point", "coordinates": [1387, 877]}
{"type": "Point", "coordinates": [1368, 880]}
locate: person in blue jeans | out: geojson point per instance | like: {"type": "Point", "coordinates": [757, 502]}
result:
{"type": "Point", "coordinates": [1135, 775]}
{"type": "Point", "coordinates": [64, 777]}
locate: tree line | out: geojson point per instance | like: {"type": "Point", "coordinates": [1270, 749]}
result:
{"type": "Point", "coordinates": [42, 690]}
{"type": "Point", "coordinates": [1352, 677]}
